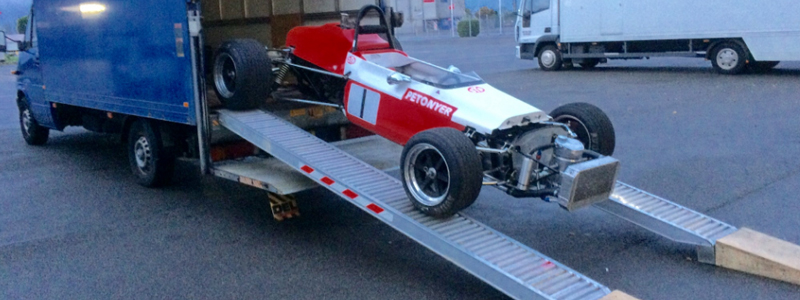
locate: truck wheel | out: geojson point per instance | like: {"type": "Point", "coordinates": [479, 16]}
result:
{"type": "Point", "coordinates": [729, 58]}
{"type": "Point", "coordinates": [589, 63]}
{"type": "Point", "coordinates": [150, 162]}
{"type": "Point", "coordinates": [33, 133]}
{"type": "Point", "coordinates": [442, 172]}
{"type": "Point", "coordinates": [590, 124]}
{"type": "Point", "coordinates": [550, 58]}
{"type": "Point", "coordinates": [242, 74]}
{"type": "Point", "coordinates": [762, 66]}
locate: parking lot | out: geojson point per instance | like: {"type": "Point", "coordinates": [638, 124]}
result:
{"type": "Point", "coordinates": [73, 223]}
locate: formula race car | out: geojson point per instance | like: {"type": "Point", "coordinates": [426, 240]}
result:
{"type": "Point", "coordinates": [458, 132]}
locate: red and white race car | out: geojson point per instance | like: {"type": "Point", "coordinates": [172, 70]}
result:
{"type": "Point", "coordinates": [458, 132]}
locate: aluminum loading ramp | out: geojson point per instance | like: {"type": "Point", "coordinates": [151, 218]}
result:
{"type": "Point", "coordinates": [498, 260]}
{"type": "Point", "coordinates": [668, 219]}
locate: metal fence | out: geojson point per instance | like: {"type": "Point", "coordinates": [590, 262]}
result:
{"type": "Point", "coordinates": [488, 25]}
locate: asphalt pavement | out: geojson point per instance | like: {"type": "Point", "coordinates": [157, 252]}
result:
{"type": "Point", "coordinates": [74, 225]}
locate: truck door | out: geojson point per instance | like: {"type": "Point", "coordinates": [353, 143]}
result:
{"type": "Point", "coordinates": [30, 80]}
{"type": "Point", "coordinates": [535, 20]}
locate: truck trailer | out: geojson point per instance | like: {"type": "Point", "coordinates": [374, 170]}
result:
{"type": "Point", "coordinates": [141, 70]}
{"type": "Point", "coordinates": [734, 36]}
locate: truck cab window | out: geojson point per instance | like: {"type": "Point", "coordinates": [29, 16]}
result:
{"type": "Point", "coordinates": [535, 6]}
{"type": "Point", "coordinates": [30, 33]}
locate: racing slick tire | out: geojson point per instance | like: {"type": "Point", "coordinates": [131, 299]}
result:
{"type": "Point", "coordinates": [550, 58]}
{"type": "Point", "coordinates": [590, 124]}
{"type": "Point", "coordinates": [729, 58]}
{"type": "Point", "coordinates": [150, 162]}
{"type": "Point", "coordinates": [441, 171]}
{"type": "Point", "coordinates": [242, 74]}
{"type": "Point", "coordinates": [33, 133]}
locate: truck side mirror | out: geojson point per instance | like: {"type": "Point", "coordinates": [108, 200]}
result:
{"type": "Point", "coordinates": [24, 46]}
{"type": "Point", "coordinates": [3, 42]}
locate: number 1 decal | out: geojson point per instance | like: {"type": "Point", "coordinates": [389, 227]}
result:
{"type": "Point", "coordinates": [363, 103]}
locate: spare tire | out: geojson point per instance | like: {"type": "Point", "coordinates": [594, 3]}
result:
{"type": "Point", "coordinates": [590, 124]}
{"type": "Point", "coordinates": [242, 74]}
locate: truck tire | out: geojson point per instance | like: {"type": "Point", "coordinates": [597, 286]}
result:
{"type": "Point", "coordinates": [729, 58]}
{"type": "Point", "coordinates": [441, 171]}
{"type": "Point", "coordinates": [590, 124]}
{"type": "Point", "coordinates": [550, 58]}
{"type": "Point", "coordinates": [33, 133]}
{"type": "Point", "coordinates": [589, 63]}
{"type": "Point", "coordinates": [242, 74]}
{"type": "Point", "coordinates": [762, 66]}
{"type": "Point", "coordinates": [150, 162]}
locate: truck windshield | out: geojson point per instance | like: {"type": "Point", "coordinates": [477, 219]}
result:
{"type": "Point", "coordinates": [535, 6]}
{"type": "Point", "coordinates": [438, 77]}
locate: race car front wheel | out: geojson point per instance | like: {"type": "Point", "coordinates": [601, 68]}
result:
{"type": "Point", "coordinates": [442, 172]}
{"type": "Point", "coordinates": [590, 124]}
{"type": "Point", "coordinates": [242, 74]}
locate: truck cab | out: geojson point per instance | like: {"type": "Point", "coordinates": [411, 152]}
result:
{"type": "Point", "coordinates": [535, 20]}
{"type": "Point", "coordinates": [537, 23]}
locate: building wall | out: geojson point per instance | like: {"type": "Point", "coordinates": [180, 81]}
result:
{"type": "Point", "coordinates": [416, 12]}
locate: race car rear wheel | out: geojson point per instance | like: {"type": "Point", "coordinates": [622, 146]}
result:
{"type": "Point", "coordinates": [442, 171]}
{"type": "Point", "coordinates": [242, 74]}
{"type": "Point", "coordinates": [590, 124]}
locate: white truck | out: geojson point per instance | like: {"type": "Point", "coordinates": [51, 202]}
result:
{"type": "Point", "coordinates": [734, 35]}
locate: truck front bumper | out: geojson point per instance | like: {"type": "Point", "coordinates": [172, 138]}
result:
{"type": "Point", "coordinates": [525, 51]}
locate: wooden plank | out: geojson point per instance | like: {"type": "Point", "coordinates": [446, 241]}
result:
{"type": "Point", "coordinates": [618, 295]}
{"type": "Point", "coordinates": [756, 253]}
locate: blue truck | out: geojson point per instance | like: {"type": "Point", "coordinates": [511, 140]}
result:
{"type": "Point", "coordinates": [138, 69]}
{"type": "Point", "coordinates": [113, 67]}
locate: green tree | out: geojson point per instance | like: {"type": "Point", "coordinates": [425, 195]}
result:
{"type": "Point", "coordinates": [22, 24]}
{"type": "Point", "coordinates": [464, 29]}
{"type": "Point", "coordinates": [485, 11]}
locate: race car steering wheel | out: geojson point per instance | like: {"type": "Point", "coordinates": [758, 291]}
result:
{"type": "Point", "coordinates": [383, 28]}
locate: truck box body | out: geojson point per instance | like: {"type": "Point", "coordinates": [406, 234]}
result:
{"type": "Point", "coordinates": [128, 57]}
{"type": "Point", "coordinates": [737, 36]}
{"type": "Point", "coordinates": [765, 26]}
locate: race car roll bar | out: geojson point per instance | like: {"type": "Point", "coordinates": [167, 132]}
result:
{"type": "Point", "coordinates": [383, 28]}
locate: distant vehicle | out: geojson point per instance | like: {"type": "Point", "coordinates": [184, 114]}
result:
{"type": "Point", "coordinates": [750, 35]}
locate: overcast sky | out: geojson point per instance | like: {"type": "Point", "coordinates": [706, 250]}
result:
{"type": "Point", "coordinates": [11, 11]}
